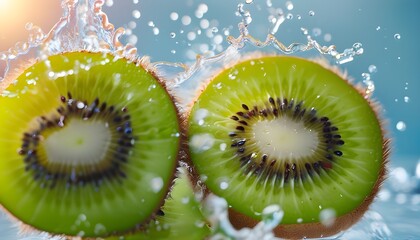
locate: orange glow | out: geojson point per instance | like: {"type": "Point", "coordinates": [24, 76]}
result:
{"type": "Point", "coordinates": [14, 14]}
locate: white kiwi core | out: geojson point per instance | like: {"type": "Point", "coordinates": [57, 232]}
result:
{"type": "Point", "coordinates": [285, 138]}
{"type": "Point", "coordinates": [78, 143]}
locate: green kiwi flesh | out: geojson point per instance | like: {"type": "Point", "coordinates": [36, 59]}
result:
{"type": "Point", "coordinates": [181, 219]}
{"type": "Point", "coordinates": [89, 145]}
{"type": "Point", "coordinates": [291, 132]}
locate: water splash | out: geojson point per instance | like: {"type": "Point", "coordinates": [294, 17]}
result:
{"type": "Point", "coordinates": [83, 26]}
{"type": "Point", "coordinates": [216, 210]}
{"type": "Point", "coordinates": [236, 45]}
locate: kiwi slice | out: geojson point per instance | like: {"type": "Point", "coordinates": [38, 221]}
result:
{"type": "Point", "coordinates": [89, 145]}
{"type": "Point", "coordinates": [291, 132]}
{"type": "Point", "coordinates": [181, 216]}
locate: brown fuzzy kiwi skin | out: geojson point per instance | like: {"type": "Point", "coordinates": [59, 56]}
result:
{"type": "Point", "coordinates": [316, 229]}
{"type": "Point", "coordinates": [182, 146]}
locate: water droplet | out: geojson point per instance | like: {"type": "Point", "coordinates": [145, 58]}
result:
{"type": "Point", "coordinates": [311, 13]}
{"type": "Point", "coordinates": [191, 36]}
{"type": "Point", "coordinates": [156, 184]}
{"type": "Point", "coordinates": [109, 3]}
{"type": "Point", "coordinates": [366, 76]}
{"type": "Point", "coordinates": [218, 39]}
{"type": "Point", "coordinates": [185, 200]}
{"type": "Point", "coordinates": [223, 185]}
{"type": "Point", "coordinates": [200, 115]}
{"type": "Point", "coordinates": [272, 215]}
{"type": "Point", "coordinates": [401, 198]}
{"type": "Point", "coordinates": [327, 37]}
{"type": "Point", "coordinates": [327, 217]}
{"type": "Point", "coordinates": [418, 170]}
{"type": "Point", "coordinates": [299, 220]}
{"type": "Point", "coordinates": [397, 36]}
{"type": "Point", "coordinates": [202, 8]}
{"type": "Point", "coordinates": [372, 69]}
{"type": "Point", "coordinates": [201, 142]}
{"type": "Point", "coordinates": [289, 5]}
{"type": "Point", "coordinates": [384, 195]}
{"type": "Point", "coordinates": [204, 23]}
{"type": "Point", "coordinates": [316, 32]}
{"type": "Point", "coordinates": [82, 217]}
{"type": "Point", "coordinates": [186, 20]}
{"type": "Point", "coordinates": [136, 14]}
{"type": "Point", "coordinates": [223, 146]}
{"type": "Point", "coordinates": [173, 16]}
{"type": "Point", "coordinates": [100, 229]}
{"type": "Point", "coordinates": [401, 126]}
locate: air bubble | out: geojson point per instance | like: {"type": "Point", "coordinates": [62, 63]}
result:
{"type": "Point", "coordinates": [289, 16]}
{"type": "Point", "coordinates": [136, 14]}
{"type": "Point", "coordinates": [172, 35]}
{"type": "Point", "coordinates": [378, 28]}
{"type": "Point", "coordinates": [156, 31]}
{"type": "Point", "coordinates": [397, 36]}
{"type": "Point", "coordinates": [249, 1]}
{"type": "Point", "coordinates": [401, 126]}
{"type": "Point", "coordinates": [406, 99]}
{"type": "Point", "coordinates": [311, 13]}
